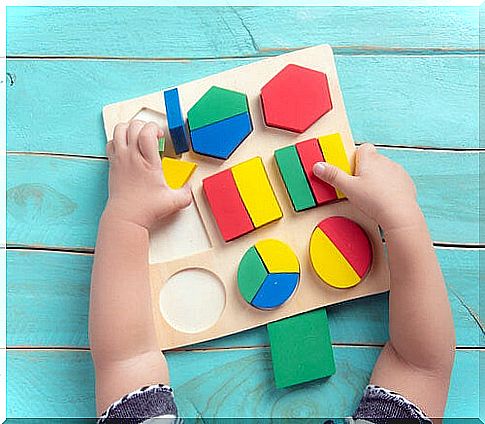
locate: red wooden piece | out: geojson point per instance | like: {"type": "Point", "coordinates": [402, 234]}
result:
{"type": "Point", "coordinates": [351, 240]}
{"type": "Point", "coordinates": [310, 153]}
{"type": "Point", "coordinates": [295, 98]}
{"type": "Point", "coordinates": [226, 205]}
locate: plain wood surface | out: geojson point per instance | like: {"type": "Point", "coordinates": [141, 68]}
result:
{"type": "Point", "coordinates": [426, 62]}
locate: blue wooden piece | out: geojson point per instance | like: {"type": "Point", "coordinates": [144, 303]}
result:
{"type": "Point", "coordinates": [219, 140]}
{"type": "Point", "coordinates": [176, 123]}
{"type": "Point", "coordinates": [275, 290]}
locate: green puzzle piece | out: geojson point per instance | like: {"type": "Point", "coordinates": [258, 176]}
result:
{"type": "Point", "coordinates": [301, 348]}
{"type": "Point", "coordinates": [250, 274]}
{"type": "Point", "coordinates": [161, 145]}
{"type": "Point", "coordinates": [216, 105]}
{"type": "Point", "coordinates": [294, 178]}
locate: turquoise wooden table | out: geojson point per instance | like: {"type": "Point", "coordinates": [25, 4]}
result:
{"type": "Point", "coordinates": [410, 82]}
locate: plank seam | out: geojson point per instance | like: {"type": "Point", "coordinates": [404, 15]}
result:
{"type": "Point", "coordinates": [458, 150]}
{"type": "Point", "coordinates": [56, 155]}
{"type": "Point", "coordinates": [58, 249]}
{"type": "Point", "coordinates": [270, 52]}
{"type": "Point", "coordinates": [214, 349]}
{"type": "Point", "coordinates": [91, 250]}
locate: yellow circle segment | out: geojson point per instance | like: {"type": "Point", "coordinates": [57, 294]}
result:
{"type": "Point", "coordinates": [277, 256]}
{"type": "Point", "coordinates": [329, 263]}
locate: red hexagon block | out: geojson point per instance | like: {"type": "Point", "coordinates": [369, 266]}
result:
{"type": "Point", "coordinates": [295, 98]}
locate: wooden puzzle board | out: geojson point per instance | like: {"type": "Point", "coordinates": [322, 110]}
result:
{"type": "Point", "coordinates": [295, 229]}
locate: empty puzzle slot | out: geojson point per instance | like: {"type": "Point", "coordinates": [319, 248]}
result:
{"type": "Point", "coordinates": [178, 236]}
{"type": "Point", "coordinates": [192, 300]}
{"type": "Point", "coordinates": [149, 115]}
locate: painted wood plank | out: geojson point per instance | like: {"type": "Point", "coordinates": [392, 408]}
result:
{"type": "Point", "coordinates": [217, 383]}
{"type": "Point", "coordinates": [48, 298]}
{"type": "Point", "coordinates": [412, 101]}
{"type": "Point", "coordinates": [194, 32]}
{"type": "Point", "coordinates": [60, 203]}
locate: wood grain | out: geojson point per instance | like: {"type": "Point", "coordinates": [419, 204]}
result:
{"type": "Point", "coordinates": [235, 383]}
{"type": "Point", "coordinates": [48, 298]}
{"type": "Point", "coordinates": [416, 103]}
{"type": "Point", "coordinates": [205, 32]}
{"type": "Point", "coordinates": [60, 203]}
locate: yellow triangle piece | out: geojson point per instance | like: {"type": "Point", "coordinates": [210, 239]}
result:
{"type": "Point", "coordinates": [177, 172]}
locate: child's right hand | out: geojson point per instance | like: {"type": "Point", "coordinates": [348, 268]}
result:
{"type": "Point", "coordinates": [381, 188]}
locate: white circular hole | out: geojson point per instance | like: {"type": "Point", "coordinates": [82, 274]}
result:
{"type": "Point", "coordinates": [192, 300]}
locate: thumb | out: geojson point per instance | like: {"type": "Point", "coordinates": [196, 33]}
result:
{"type": "Point", "coordinates": [333, 175]}
{"type": "Point", "coordinates": [181, 198]}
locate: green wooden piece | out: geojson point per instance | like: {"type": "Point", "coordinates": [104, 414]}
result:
{"type": "Point", "coordinates": [161, 145]}
{"type": "Point", "coordinates": [216, 105]}
{"type": "Point", "coordinates": [294, 178]}
{"type": "Point", "coordinates": [445, 83]}
{"type": "Point", "coordinates": [250, 274]}
{"type": "Point", "coordinates": [301, 348]}
{"type": "Point", "coordinates": [60, 383]}
{"type": "Point", "coordinates": [237, 31]}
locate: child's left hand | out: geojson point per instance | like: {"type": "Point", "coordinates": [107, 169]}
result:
{"type": "Point", "coordinates": [138, 192]}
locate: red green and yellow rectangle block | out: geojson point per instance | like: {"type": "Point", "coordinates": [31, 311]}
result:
{"type": "Point", "coordinates": [295, 164]}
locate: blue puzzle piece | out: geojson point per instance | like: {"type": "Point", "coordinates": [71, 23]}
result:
{"type": "Point", "coordinates": [176, 124]}
{"type": "Point", "coordinates": [275, 290]}
{"type": "Point", "coordinates": [220, 139]}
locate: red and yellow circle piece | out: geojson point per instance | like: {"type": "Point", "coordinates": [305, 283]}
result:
{"type": "Point", "coordinates": [340, 252]}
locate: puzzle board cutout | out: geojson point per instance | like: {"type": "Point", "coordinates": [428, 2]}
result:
{"type": "Point", "coordinates": [222, 258]}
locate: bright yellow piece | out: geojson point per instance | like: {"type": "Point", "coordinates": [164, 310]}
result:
{"type": "Point", "coordinates": [334, 153]}
{"type": "Point", "coordinates": [329, 264]}
{"type": "Point", "coordinates": [277, 256]}
{"type": "Point", "coordinates": [177, 172]}
{"type": "Point", "coordinates": [256, 192]}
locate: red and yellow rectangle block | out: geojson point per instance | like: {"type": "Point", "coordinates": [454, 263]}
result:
{"type": "Point", "coordinates": [296, 162]}
{"type": "Point", "coordinates": [241, 198]}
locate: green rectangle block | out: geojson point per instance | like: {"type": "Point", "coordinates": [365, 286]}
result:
{"type": "Point", "coordinates": [301, 348]}
{"type": "Point", "coordinates": [294, 178]}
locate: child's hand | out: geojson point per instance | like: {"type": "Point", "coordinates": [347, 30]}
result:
{"type": "Point", "coordinates": [138, 192]}
{"type": "Point", "coordinates": [381, 188]}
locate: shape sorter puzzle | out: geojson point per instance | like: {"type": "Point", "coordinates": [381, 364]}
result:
{"type": "Point", "coordinates": [255, 186]}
